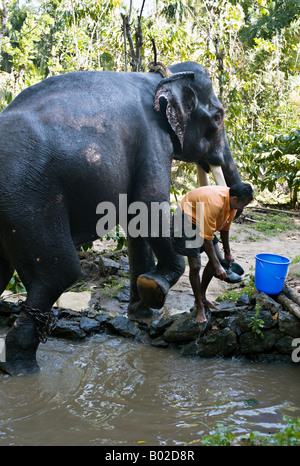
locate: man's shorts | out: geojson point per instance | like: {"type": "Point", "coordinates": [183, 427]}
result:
{"type": "Point", "coordinates": [183, 243]}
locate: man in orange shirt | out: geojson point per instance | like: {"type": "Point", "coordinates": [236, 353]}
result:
{"type": "Point", "coordinates": [206, 210]}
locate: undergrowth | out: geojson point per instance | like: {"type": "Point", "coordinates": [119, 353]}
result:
{"type": "Point", "coordinates": [223, 435]}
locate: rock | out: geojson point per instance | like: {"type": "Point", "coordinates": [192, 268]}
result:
{"type": "Point", "coordinates": [89, 269]}
{"type": "Point", "coordinates": [124, 294]}
{"type": "Point", "coordinates": [103, 319]}
{"type": "Point", "coordinates": [215, 343]}
{"type": "Point", "coordinates": [13, 298]}
{"type": "Point", "coordinates": [89, 325]}
{"type": "Point", "coordinates": [68, 329]}
{"type": "Point", "coordinates": [226, 304]}
{"type": "Point", "coordinates": [225, 308]}
{"type": "Point", "coordinates": [284, 345]}
{"type": "Point", "coordinates": [184, 328]}
{"type": "Point", "coordinates": [67, 314]}
{"type": "Point", "coordinates": [158, 327]}
{"type": "Point", "coordinates": [267, 303]}
{"type": "Point", "coordinates": [273, 358]}
{"type": "Point", "coordinates": [228, 322]}
{"type": "Point", "coordinates": [92, 313]}
{"type": "Point", "coordinates": [244, 319]}
{"type": "Point", "coordinates": [243, 300]}
{"type": "Point", "coordinates": [7, 308]}
{"type": "Point", "coordinates": [108, 266]}
{"type": "Point", "coordinates": [123, 326]}
{"type": "Point", "coordinates": [124, 266]}
{"type": "Point", "coordinates": [252, 343]}
{"type": "Point", "coordinates": [75, 301]}
{"type": "Point", "coordinates": [159, 342]}
{"type": "Point", "coordinates": [289, 324]}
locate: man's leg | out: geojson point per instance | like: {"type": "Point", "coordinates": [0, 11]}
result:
{"type": "Point", "coordinates": [207, 276]}
{"type": "Point", "coordinates": [194, 276]}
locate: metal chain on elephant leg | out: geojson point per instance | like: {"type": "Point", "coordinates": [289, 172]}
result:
{"type": "Point", "coordinates": [45, 320]}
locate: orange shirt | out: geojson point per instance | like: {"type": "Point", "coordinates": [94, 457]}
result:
{"type": "Point", "coordinates": [208, 207]}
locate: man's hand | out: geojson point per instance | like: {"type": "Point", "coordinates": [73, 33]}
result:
{"type": "Point", "coordinates": [220, 272]}
{"type": "Point", "coordinates": [229, 258]}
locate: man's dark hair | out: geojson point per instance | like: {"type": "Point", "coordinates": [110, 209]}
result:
{"type": "Point", "coordinates": [242, 191]}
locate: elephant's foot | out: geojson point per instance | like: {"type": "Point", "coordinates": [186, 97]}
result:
{"type": "Point", "coordinates": [153, 290]}
{"type": "Point", "coordinates": [139, 312]}
{"type": "Point", "coordinates": [17, 369]}
{"type": "Point", "coordinates": [21, 344]}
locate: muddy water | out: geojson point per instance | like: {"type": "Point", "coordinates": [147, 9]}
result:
{"type": "Point", "coordinates": [112, 391]}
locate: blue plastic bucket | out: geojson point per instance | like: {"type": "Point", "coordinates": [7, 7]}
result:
{"type": "Point", "coordinates": [270, 272]}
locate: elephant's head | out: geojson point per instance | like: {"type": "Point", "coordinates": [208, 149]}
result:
{"type": "Point", "coordinates": [197, 119]}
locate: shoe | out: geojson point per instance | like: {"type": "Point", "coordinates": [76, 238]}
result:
{"type": "Point", "coordinates": [233, 273]}
{"type": "Point", "coordinates": [235, 267]}
{"type": "Point", "coordinates": [232, 277]}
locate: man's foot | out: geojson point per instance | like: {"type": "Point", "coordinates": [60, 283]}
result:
{"type": "Point", "coordinates": [211, 304]}
{"type": "Point", "coordinates": [201, 317]}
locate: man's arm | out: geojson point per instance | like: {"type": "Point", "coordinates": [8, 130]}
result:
{"type": "Point", "coordinates": [211, 253]}
{"type": "Point", "coordinates": [225, 241]}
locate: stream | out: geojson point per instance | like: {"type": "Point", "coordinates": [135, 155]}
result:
{"type": "Point", "coordinates": [107, 390]}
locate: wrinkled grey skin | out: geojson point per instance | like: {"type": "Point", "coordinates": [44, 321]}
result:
{"type": "Point", "coordinates": [73, 141]}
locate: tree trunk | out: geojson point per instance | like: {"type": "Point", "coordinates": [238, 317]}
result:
{"type": "Point", "coordinates": [289, 305]}
{"type": "Point", "coordinates": [3, 21]}
{"type": "Point", "coordinates": [294, 196]}
{"type": "Point", "coordinates": [291, 294]}
{"type": "Point", "coordinates": [135, 49]}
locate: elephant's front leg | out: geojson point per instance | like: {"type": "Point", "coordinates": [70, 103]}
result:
{"type": "Point", "coordinates": [141, 259]}
{"type": "Point", "coordinates": [153, 286]}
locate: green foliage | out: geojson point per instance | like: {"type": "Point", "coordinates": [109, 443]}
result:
{"type": "Point", "coordinates": [249, 285]}
{"type": "Point", "coordinates": [257, 324]}
{"type": "Point", "coordinates": [266, 18]}
{"type": "Point", "coordinates": [222, 436]}
{"type": "Point", "coordinates": [295, 260]}
{"type": "Point", "coordinates": [272, 224]}
{"type": "Point", "coordinates": [117, 235]}
{"type": "Point", "coordinates": [15, 285]}
{"type": "Point", "coordinates": [278, 160]}
{"type": "Point", "coordinates": [288, 435]}
{"type": "Point", "coordinates": [232, 295]}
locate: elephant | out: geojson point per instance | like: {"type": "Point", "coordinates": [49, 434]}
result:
{"type": "Point", "coordinates": [82, 138]}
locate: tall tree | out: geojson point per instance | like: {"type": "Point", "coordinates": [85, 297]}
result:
{"type": "Point", "coordinates": [3, 20]}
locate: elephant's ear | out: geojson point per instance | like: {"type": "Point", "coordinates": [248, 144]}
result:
{"type": "Point", "coordinates": [175, 95]}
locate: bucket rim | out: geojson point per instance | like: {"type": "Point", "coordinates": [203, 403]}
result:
{"type": "Point", "coordinates": [287, 260]}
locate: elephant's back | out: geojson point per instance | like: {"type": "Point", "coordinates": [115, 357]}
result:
{"type": "Point", "coordinates": [75, 127]}
{"type": "Point", "coordinates": [78, 90]}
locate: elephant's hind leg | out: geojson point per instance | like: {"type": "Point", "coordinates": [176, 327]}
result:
{"type": "Point", "coordinates": [6, 271]}
{"type": "Point", "coordinates": [46, 269]}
